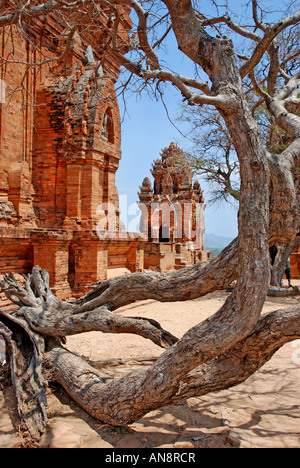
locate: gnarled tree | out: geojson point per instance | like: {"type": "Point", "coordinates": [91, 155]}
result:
{"type": "Point", "coordinates": [234, 342]}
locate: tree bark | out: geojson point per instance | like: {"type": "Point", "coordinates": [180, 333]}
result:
{"type": "Point", "coordinates": [25, 349]}
{"type": "Point", "coordinates": [121, 401]}
{"type": "Point", "coordinates": [49, 316]}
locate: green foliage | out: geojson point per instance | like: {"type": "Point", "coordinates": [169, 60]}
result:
{"type": "Point", "coordinates": [215, 253]}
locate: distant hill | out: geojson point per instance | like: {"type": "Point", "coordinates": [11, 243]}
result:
{"type": "Point", "coordinates": [213, 241]}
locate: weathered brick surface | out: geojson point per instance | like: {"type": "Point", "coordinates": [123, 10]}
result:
{"type": "Point", "coordinates": [295, 257]}
{"type": "Point", "coordinates": [16, 251]}
{"type": "Point", "coordinates": [51, 252]}
{"type": "Point", "coordinates": [295, 263]}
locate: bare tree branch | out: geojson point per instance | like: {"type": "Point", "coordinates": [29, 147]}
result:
{"type": "Point", "coordinates": [227, 370]}
{"type": "Point", "coordinates": [270, 35]}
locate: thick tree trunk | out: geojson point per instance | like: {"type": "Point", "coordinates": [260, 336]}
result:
{"type": "Point", "coordinates": [121, 401]}
{"type": "Point", "coordinates": [127, 399]}
{"type": "Point", "coordinates": [283, 252]}
{"type": "Point", "coordinates": [217, 353]}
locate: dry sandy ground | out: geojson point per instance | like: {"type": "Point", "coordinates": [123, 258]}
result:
{"type": "Point", "coordinates": [263, 412]}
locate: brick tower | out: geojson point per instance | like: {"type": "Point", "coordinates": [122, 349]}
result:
{"type": "Point", "coordinates": [172, 214]}
{"type": "Point", "coordinates": [60, 146]}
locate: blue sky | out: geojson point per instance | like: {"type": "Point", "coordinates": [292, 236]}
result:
{"type": "Point", "coordinates": [146, 130]}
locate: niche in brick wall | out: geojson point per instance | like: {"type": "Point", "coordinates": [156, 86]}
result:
{"type": "Point", "coordinates": [71, 273]}
{"type": "Point", "coordinates": [108, 133]}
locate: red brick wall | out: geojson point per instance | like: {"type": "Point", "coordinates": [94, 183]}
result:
{"type": "Point", "coordinates": [16, 250]}
{"type": "Point", "coordinates": [295, 264]}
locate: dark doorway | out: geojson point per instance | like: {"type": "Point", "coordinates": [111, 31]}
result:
{"type": "Point", "coordinates": [71, 275]}
{"type": "Point", "coordinates": [164, 234]}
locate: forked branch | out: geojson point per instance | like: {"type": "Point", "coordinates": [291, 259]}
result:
{"type": "Point", "coordinates": [120, 401]}
{"type": "Point", "coordinates": [49, 316]}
